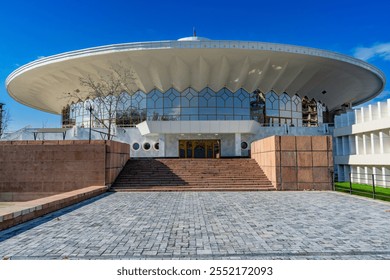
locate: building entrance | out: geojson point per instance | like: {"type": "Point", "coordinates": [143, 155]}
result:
{"type": "Point", "coordinates": [199, 148]}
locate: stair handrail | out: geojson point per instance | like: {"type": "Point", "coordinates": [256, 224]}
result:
{"type": "Point", "coordinates": [10, 136]}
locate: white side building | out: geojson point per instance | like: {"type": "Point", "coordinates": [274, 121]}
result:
{"type": "Point", "coordinates": [362, 144]}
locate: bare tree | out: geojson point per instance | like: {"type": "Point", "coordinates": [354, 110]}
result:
{"type": "Point", "coordinates": [103, 92]}
{"type": "Point", "coordinates": [4, 119]}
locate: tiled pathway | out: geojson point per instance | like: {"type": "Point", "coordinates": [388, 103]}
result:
{"type": "Point", "coordinates": [207, 225]}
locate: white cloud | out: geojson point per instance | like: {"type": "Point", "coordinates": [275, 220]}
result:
{"type": "Point", "coordinates": [40, 56]}
{"type": "Point", "coordinates": [377, 50]}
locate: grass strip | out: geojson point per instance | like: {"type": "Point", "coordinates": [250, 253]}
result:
{"type": "Point", "coordinates": [364, 190]}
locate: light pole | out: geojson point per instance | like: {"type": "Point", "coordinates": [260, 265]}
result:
{"type": "Point", "coordinates": [90, 109]}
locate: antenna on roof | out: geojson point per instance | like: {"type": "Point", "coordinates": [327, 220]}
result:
{"type": "Point", "coordinates": [193, 32]}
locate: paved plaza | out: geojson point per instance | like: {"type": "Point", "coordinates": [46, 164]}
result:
{"type": "Point", "coordinates": [207, 225]}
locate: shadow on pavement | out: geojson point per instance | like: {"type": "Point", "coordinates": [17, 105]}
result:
{"type": "Point", "coordinates": [18, 229]}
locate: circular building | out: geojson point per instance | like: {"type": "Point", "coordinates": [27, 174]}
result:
{"type": "Point", "coordinates": [195, 97]}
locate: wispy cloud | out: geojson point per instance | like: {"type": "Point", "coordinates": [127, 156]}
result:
{"type": "Point", "coordinates": [40, 56]}
{"type": "Point", "coordinates": [377, 50]}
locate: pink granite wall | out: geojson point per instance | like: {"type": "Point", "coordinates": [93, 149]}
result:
{"type": "Point", "coordinates": [296, 162]}
{"type": "Point", "coordinates": [117, 154]}
{"type": "Point", "coordinates": [33, 169]}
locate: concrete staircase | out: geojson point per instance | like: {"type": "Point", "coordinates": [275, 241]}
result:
{"type": "Point", "coordinates": [241, 174]}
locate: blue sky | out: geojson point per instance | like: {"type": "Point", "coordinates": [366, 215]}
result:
{"type": "Point", "coordinates": [32, 29]}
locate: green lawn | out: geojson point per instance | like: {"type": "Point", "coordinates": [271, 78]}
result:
{"type": "Point", "coordinates": [364, 190]}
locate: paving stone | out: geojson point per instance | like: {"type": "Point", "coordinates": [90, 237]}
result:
{"type": "Point", "coordinates": [202, 225]}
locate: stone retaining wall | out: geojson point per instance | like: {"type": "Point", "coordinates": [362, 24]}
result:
{"type": "Point", "coordinates": [34, 169]}
{"type": "Point", "coordinates": [296, 162]}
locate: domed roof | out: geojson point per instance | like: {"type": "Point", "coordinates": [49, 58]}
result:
{"type": "Point", "coordinates": [198, 63]}
{"type": "Point", "coordinates": [193, 38]}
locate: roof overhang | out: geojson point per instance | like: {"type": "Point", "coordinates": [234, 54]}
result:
{"type": "Point", "coordinates": [44, 83]}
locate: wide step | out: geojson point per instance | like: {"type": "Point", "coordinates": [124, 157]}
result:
{"type": "Point", "coordinates": [192, 175]}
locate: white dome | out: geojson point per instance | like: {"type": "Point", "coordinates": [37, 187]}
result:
{"type": "Point", "coordinates": [197, 63]}
{"type": "Point", "coordinates": [193, 38]}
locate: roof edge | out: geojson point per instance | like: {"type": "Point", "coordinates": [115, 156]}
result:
{"type": "Point", "coordinates": [201, 44]}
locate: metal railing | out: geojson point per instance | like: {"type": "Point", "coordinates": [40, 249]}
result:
{"type": "Point", "coordinates": [369, 185]}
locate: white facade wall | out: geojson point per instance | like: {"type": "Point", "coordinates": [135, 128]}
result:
{"type": "Point", "coordinates": [362, 140]}
{"type": "Point", "coordinates": [168, 142]}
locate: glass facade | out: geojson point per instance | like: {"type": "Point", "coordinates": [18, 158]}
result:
{"type": "Point", "coordinates": [130, 109]}
{"type": "Point", "coordinates": [193, 105]}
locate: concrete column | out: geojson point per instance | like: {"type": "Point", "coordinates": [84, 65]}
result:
{"type": "Point", "coordinates": [376, 174]}
{"type": "Point", "coordinates": [346, 173]}
{"type": "Point", "coordinates": [337, 148]}
{"type": "Point", "coordinates": [376, 142]}
{"type": "Point", "coordinates": [385, 177]}
{"type": "Point", "coordinates": [381, 145]}
{"type": "Point", "coordinates": [370, 113]}
{"type": "Point", "coordinates": [343, 146]}
{"type": "Point", "coordinates": [365, 148]}
{"type": "Point", "coordinates": [358, 152]}
{"type": "Point", "coordinates": [161, 150]}
{"type": "Point", "coordinates": [237, 144]}
{"type": "Point", "coordinates": [357, 177]}
{"type": "Point", "coordinates": [361, 114]}
{"type": "Point", "coordinates": [347, 150]}
{"type": "Point", "coordinates": [357, 116]}
{"type": "Point", "coordinates": [367, 174]}
{"type": "Point", "coordinates": [353, 172]}
{"type": "Point", "coordinates": [386, 141]}
{"type": "Point", "coordinates": [352, 147]}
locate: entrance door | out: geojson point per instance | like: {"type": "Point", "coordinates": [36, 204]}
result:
{"type": "Point", "coordinates": [199, 148]}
